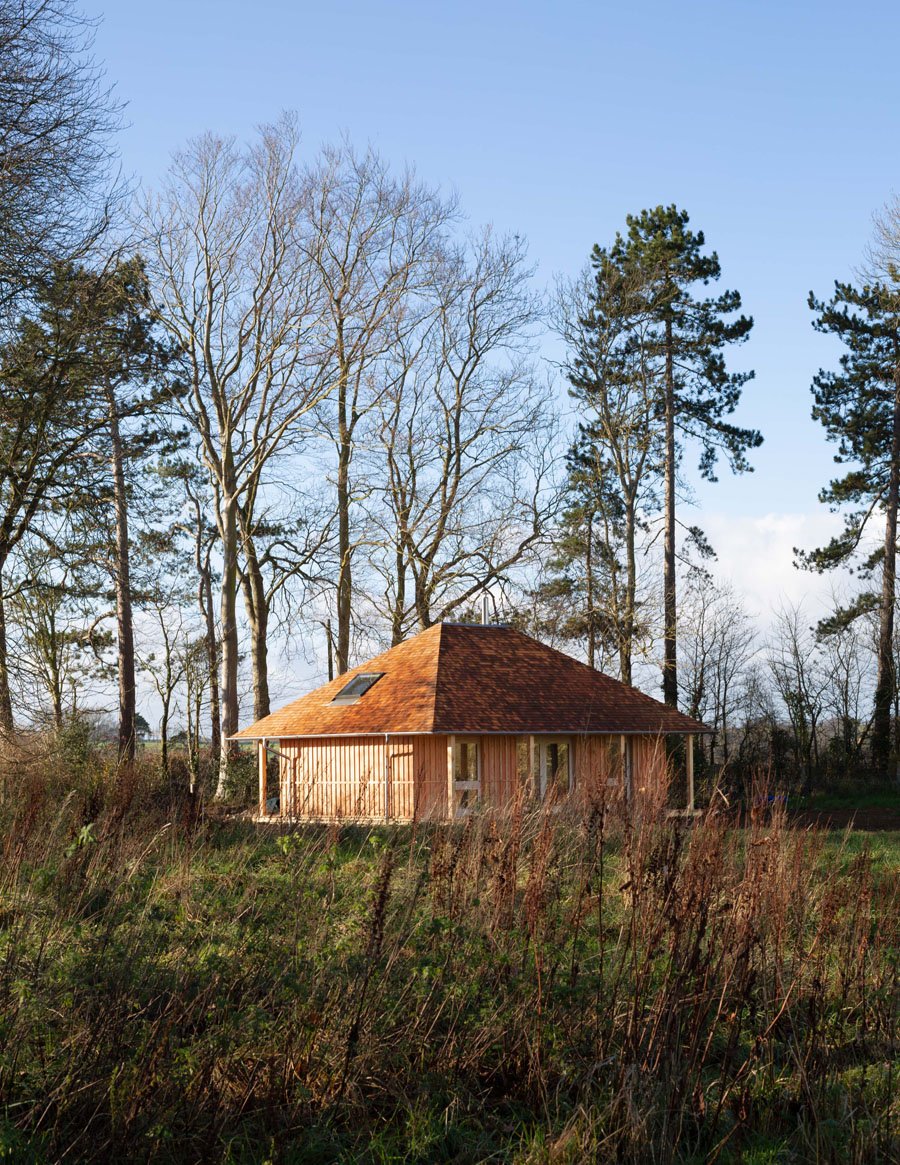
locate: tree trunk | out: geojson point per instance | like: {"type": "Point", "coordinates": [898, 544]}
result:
{"type": "Point", "coordinates": [589, 587]}
{"type": "Point", "coordinates": [228, 620]}
{"type": "Point", "coordinates": [205, 597]}
{"type": "Point", "coordinates": [122, 578]}
{"type": "Point", "coordinates": [344, 597]}
{"type": "Point", "coordinates": [630, 590]}
{"type": "Point", "coordinates": [6, 711]}
{"type": "Point", "coordinates": [884, 688]}
{"type": "Point", "coordinates": [400, 593]}
{"type": "Point", "coordinates": [670, 659]}
{"type": "Point", "coordinates": [257, 608]}
{"type": "Point", "coordinates": [345, 575]}
{"type": "Point", "coordinates": [164, 740]}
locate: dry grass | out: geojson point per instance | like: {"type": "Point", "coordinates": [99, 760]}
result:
{"type": "Point", "coordinates": [531, 987]}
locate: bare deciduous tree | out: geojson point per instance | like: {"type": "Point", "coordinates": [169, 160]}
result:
{"type": "Point", "coordinates": [57, 118]}
{"type": "Point", "coordinates": [231, 272]}
{"type": "Point", "coordinates": [374, 241]}
{"type": "Point", "coordinates": [800, 681]}
{"type": "Point", "coordinates": [464, 440]}
{"type": "Point", "coordinates": [718, 643]}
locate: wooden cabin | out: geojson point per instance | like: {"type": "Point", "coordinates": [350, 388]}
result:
{"type": "Point", "coordinates": [457, 717]}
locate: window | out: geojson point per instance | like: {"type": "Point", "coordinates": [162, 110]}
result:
{"type": "Point", "coordinates": [615, 762]}
{"type": "Point", "coordinates": [553, 765]}
{"type": "Point", "coordinates": [466, 776]}
{"type": "Point", "coordinates": [357, 687]}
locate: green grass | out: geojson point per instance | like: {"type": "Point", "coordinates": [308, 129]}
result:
{"type": "Point", "coordinates": [853, 798]}
{"type": "Point", "coordinates": [523, 990]}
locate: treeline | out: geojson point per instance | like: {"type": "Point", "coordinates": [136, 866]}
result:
{"type": "Point", "coordinates": [291, 402]}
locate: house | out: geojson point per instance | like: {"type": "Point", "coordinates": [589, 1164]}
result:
{"type": "Point", "coordinates": [458, 716]}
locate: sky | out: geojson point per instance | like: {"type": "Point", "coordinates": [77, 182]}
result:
{"type": "Point", "coordinates": [774, 124]}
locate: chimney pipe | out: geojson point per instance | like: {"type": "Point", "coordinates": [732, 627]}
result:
{"type": "Point", "coordinates": [485, 612]}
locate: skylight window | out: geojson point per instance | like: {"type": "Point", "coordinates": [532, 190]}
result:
{"type": "Point", "coordinates": [357, 687]}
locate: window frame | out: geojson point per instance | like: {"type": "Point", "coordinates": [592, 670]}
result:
{"type": "Point", "coordinates": [542, 768]}
{"type": "Point", "coordinates": [466, 785]}
{"type": "Point", "coordinates": [344, 697]}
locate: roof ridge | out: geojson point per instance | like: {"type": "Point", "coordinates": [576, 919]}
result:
{"type": "Point", "coordinates": [442, 643]}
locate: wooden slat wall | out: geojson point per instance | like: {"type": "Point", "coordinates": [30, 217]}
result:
{"type": "Point", "coordinates": [649, 761]}
{"type": "Point", "coordinates": [329, 777]}
{"type": "Point", "coordinates": [343, 778]}
{"type": "Point", "coordinates": [430, 760]}
{"type": "Point", "coordinates": [597, 761]}
{"type": "Point", "coordinates": [403, 778]}
{"type": "Point", "coordinates": [498, 770]}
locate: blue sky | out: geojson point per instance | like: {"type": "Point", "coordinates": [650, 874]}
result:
{"type": "Point", "coordinates": [774, 124]}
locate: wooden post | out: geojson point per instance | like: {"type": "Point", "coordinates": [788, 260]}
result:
{"type": "Point", "coordinates": [451, 743]}
{"type": "Point", "coordinates": [263, 780]}
{"type": "Point", "coordinates": [690, 773]}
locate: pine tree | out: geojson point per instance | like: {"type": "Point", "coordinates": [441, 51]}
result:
{"type": "Point", "coordinates": [859, 407]}
{"type": "Point", "coordinates": [591, 586]}
{"type": "Point", "coordinates": [615, 461]}
{"type": "Point", "coordinates": [696, 392]}
{"type": "Point", "coordinates": [84, 383]}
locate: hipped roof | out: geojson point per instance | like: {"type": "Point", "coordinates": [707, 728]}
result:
{"type": "Point", "coordinates": [466, 678]}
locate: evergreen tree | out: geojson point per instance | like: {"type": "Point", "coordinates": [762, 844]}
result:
{"type": "Point", "coordinates": [92, 370]}
{"type": "Point", "coordinates": [696, 393]}
{"type": "Point", "coordinates": [590, 595]}
{"type": "Point", "coordinates": [615, 461]}
{"type": "Point", "coordinates": [859, 407]}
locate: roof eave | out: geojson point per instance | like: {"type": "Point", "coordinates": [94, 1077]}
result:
{"type": "Point", "coordinates": [248, 734]}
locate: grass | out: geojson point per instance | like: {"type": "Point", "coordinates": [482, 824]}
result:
{"type": "Point", "coordinates": [855, 798]}
{"type": "Point", "coordinates": [530, 988]}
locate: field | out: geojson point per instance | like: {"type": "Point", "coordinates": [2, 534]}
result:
{"type": "Point", "coordinates": [179, 987]}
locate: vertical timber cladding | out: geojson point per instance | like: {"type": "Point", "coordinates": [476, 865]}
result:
{"type": "Point", "coordinates": [598, 764]}
{"type": "Point", "coordinates": [499, 777]}
{"type": "Point", "coordinates": [649, 762]}
{"type": "Point", "coordinates": [333, 777]}
{"type": "Point", "coordinates": [430, 764]}
{"type": "Point", "coordinates": [344, 777]}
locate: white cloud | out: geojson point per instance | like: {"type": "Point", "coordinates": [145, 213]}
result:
{"type": "Point", "coordinates": [756, 554]}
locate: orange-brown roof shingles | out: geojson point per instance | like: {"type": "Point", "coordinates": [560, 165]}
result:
{"type": "Point", "coordinates": [495, 679]}
{"type": "Point", "coordinates": [401, 701]}
{"type": "Point", "coordinates": [456, 678]}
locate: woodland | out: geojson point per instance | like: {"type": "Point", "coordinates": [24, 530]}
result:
{"type": "Point", "coordinates": [285, 408]}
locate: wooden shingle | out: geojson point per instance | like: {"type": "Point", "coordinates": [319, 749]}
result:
{"type": "Point", "coordinates": [465, 678]}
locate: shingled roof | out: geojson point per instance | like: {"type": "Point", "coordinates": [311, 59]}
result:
{"type": "Point", "coordinates": [467, 678]}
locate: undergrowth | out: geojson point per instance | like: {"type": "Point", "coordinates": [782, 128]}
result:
{"type": "Point", "coordinates": [531, 987]}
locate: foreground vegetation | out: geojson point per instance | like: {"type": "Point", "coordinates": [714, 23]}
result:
{"type": "Point", "coordinates": [541, 987]}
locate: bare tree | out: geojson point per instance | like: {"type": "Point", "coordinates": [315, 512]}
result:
{"type": "Point", "coordinates": [718, 643]}
{"type": "Point", "coordinates": [165, 663]}
{"type": "Point", "coordinates": [230, 265]}
{"type": "Point", "coordinates": [57, 118]}
{"type": "Point", "coordinates": [846, 655]}
{"type": "Point", "coordinates": [465, 440]}
{"type": "Point", "coordinates": [800, 681]}
{"type": "Point", "coordinates": [60, 648]}
{"type": "Point", "coordinates": [374, 242]}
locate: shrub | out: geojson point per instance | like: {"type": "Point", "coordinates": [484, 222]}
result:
{"type": "Point", "coordinates": [529, 987]}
